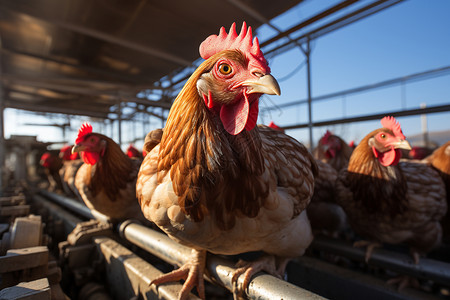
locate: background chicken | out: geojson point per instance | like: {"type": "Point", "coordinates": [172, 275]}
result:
{"type": "Point", "coordinates": [325, 215]}
{"type": "Point", "coordinates": [391, 202]}
{"type": "Point", "coordinates": [52, 164]}
{"type": "Point", "coordinates": [71, 164]}
{"type": "Point", "coordinates": [440, 160]}
{"type": "Point", "coordinates": [218, 183]}
{"type": "Point", "coordinates": [333, 150]}
{"type": "Point", "coordinates": [132, 152]}
{"type": "Point", "coordinates": [107, 179]}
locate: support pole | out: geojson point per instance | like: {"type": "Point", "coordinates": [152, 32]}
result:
{"type": "Point", "coordinates": [307, 53]}
{"type": "Point", "coordinates": [2, 131]}
{"type": "Point", "coordinates": [119, 120]}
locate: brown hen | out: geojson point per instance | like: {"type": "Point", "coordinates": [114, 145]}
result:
{"type": "Point", "coordinates": [440, 160]}
{"type": "Point", "coordinates": [218, 183]}
{"type": "Point", "coordinates": [107, 179]}
{"type": "Point", "coordinates": [388, 200]}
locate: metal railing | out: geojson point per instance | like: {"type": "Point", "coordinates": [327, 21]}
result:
{"type": "Point", "coordinates": [261, 287]}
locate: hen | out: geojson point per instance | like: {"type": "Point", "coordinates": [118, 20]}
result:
{"type": "Point", "coordinates": [71, 164]}
{"type": "Point", "coordinates": [107, 179]}
{"type": "Point", "coordinates": [52, 164]}
{"type": "Point", "coordinates": [325, 215]}
{"type": "Point", "coordinates": [217, 182]}
{"type": "Point", "coordinates": [440, 160]}
{"type": "Point", "coordinates": [333, 150]}
{"type": "Point", "coordinates": [132, 152]}
{"type": "Point", "coordinates": [388, 201]}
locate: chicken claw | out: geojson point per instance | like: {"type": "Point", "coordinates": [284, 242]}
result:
{"type": "Point", "coordinates": [192, 272]}
{"type": "Point", "coordinates": [370, 246]}
{"type": "Point", "coordinates": [248, 269]}
{"type": "Point", "coordinates": [403, 282]}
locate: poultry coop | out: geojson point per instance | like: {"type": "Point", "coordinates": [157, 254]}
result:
{"type": "Point", "coordinates": [121, 60]}
{"type": "Point", "coordinates": [54, 247]}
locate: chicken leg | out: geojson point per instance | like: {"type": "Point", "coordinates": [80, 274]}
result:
{"type": "Point", "coordinates": [248, 269]}
{"type": "Point", "coordinates": [370, 246]}
{"type": "Point", "coordinates": [192, 272]}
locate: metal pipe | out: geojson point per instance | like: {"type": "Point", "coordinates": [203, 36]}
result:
{"type": "Point", "coordinates": [308, 83]}
{"type": "Point", "coordinates": [262, 286]}
{"type": "Point", "coordinates": [2, 122]}
{"type": "Point", "coordinates": [401, 113]}
{"type": "Point", "coordinates": [437, 271]}
{"type": "Point", "coordinates": [443, 71]}
{"type": "Point", "coordinates": [128, 275]}
{"type": "Point", "coordinates": [74, 206]}
{"type": "Point", "coordinates": [310, 21]}
{"type": "Point", "coordinates": [69, 220]}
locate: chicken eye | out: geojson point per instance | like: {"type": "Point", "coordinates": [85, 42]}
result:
{"type": "Point", "coordinates": [225, 69]}
{"type": "Point", "coordinates": [383, 136]}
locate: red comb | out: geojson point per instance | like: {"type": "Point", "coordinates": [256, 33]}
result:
{"type": "Point", "coordinates": [326, 136]}
{"type": "Point", "coordinates": [45, 156]}
{"type": "Point", "coordinates": [216, 43]}
{"type": "Point", "coordinates": [275, 126]}
{"type": "Point", "coordinates": [65, 149]}
{"type": "Point", "coordinates": [392, 124]}
{"type": "Point", "coordinates": [85, 128]}
{"type": "Point", "coordinates": [65, 152]}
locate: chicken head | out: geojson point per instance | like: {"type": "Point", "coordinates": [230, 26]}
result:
{"type": "Point", "coordinates": [90, 146]}
{"type": "Point", "coordinates": [238, 77]}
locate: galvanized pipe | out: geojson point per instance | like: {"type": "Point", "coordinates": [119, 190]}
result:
{"type": "Point", "coordinates": [437, 271]}
{"type": "Point", "coordinates": [262, 286]}
{"type": "Point", "coordinates": [69, 220]}
{"type": "Point", "coordinates": [74, 206]}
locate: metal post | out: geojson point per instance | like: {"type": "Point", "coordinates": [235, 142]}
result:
{"type": "Point", "coordinates": [424, 121]}
{"type": "Point", "coordinates": [308, 82]}
{"type": "Point", "coordinates": [2, 131]}
{"type": "Point", "coordinates": [119, 119]}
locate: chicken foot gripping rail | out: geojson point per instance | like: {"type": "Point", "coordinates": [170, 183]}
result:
{"type": "Point", "coordinates": [220, 270]}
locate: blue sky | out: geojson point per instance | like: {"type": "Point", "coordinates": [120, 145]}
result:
{"type": "Point", "coordinates": [410, 37]}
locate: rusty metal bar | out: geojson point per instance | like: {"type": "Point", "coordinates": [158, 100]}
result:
{"type": "Point", "coordinates": [437, 271]}
{"type": "Point", "coordinates": [262, 286]}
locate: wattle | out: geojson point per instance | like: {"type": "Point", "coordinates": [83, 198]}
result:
{"type": "Point", "coordinates": [90, 158]}
{"type": "Point", "coordinates": [388, 158]}
{"type": "Point", "coordinates": [240, 115]}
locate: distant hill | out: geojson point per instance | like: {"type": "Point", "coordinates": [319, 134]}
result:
{"type": "Point", "coordinates": [436, 137]}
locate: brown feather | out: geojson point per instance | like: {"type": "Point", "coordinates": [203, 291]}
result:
{"type": "Point", "coordinates": [113, 172]}
{"type": "Point", "coordinates": [395, 204]}
{"type": "Point", "coordinates": [194, 141]}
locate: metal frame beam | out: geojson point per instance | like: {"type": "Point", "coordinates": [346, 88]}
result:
{"type": "Point", "coordinates": [401, 113]}
{"type": "Point", "coordinates": [443, 71]}
{"type": "Point", "coordinates": [434, 270]}
{"type": "Point", "coordinates": [333, 25]}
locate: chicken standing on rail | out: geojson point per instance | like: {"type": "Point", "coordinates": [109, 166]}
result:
{"type": "Point", "coordinates": [217, 182]}
{"type": "Point", "coordinates": [333, 150]}
{"type": "Point", "coordinates": [440, 160]}
{"type": "Point", "coordinates": [107, 179]}
{"type": "Point", "coordinates": [388, 200]}
{"type": "Point", "coordinates": [71, 164]}
{"type": "Point", "coordinates": [52, 163]}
